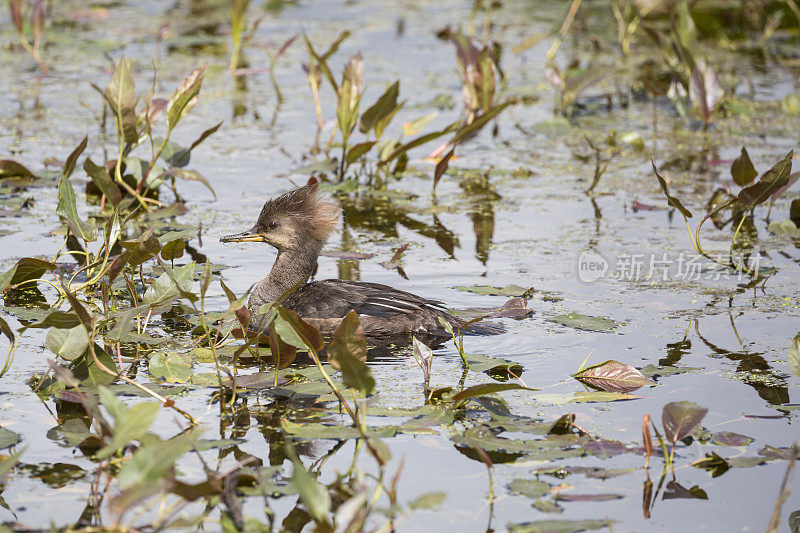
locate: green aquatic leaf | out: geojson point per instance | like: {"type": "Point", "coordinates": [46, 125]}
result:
{"type": "Point", "coordinates": [69, 344]}
{"type": "Point", "coordinates": [7, 464]}
{"type": "Point", "coordinates": [103, 181]}
{"type": "Point", "coordinates": [613, 376]}
{"type": "Point", "coordinates": [769, 182]}
{"type": "Point", "coordinates": [728, 438]}
{"type": "Point", "coordinates": [588, 323]}
{"type": "Point", "coordinates": [486, 388]}
{"type": "Point", "coordinates": [335, 432]}
{"type": "Point", "coordinates": [187, 175]}
{"type": "Point", "coordinates": [384, 106]}
{"type": "Point", "coordinates": [88, 373]}
{"type": "Point", "coordinates": [429, 500]}
{"type": "Point", "coordinates": [794, 355]}
{"type": "Point", "coordinates": [680, 418]}
{"type": "Point", "coordinates": [356, 151]}
{"type": "Point", "coordinates": [171, 367]}
{"type": "Point", "coordinates": [130, 424]}
{"type": "Point", "coordinates": [742, 169]}
{"type": "Point", "coordinates": [489, 290]}
{"type": "Point", "coordinates": [295, 331]}
{"type": "Point", "coordinates": [314, 494]}
{"type": "Point", "coordinates": [436, 416]}
{"type": "Point", "coordinates": [155, 458]}
{"type": "Point", "coordinates": [8, 438]}
{"type": "Point", "coordinates": [185, 97]}
{"type": "Point", "coordinates": [25, 269]}
{"type": "Point", "coordinates": [173, 250]}
{"type": "Point", "coordinates": [713, 463]}
{"type": "Point", "coordinates": [559, 526]}
{"type": "Point", "coordinates": [584, 397]}
{"type": "Point", "coordinates": [530, 488]}
{"type": "Point", "coordinates": [166, 287]}
{"type": "Point", "coordinates": [68, 210]}
{"type": "Point", "coordinates": [12, 169]}
{"type": "Point", "coordinates": [784, 227]}
{"type": "Point", "coordinates": [476, 125]}
{"type": "Point", "coordinates": [216, 444]}
{"type": "Point", "coordinates": [72, 159]}
{"type": "Point", "coordinates": [671, 200]}
{"type": "Point", "coordinates": [348, 351]}
{"type": "Point", "coordinates": [121, 97]}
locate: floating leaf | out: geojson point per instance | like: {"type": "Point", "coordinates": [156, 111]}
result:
{"type": "Point", "coordinates": [485, 388]}
{"type": "Point", "coordinates": [613, 376]}
{"type": "Point", "coordinates": [584, 397]}
{"type": "Point", "coordinates": [8, 438]}
{"type": "Point", "coordinates": [429, 500]}
{"type": "Point", "coordinates": [727, 438]}
{"type": "Point", "coordinates": [489, 290]}
{"type": "Point", "coordinates": [742, 169]}
{"type": "Point", "coordinates": [69, 344]}
{"type": "Point", "coordinates": [715, 464]}
{"type": "Point", "coordinates": [559, 526]}
{"type": "Point", "coordinates": [674, 491]}
{"type": "Point", "coordinates": [671, 200]}
{"type": "Point", "coordinates": [587, 497]}
{"type": "Point", "coordinates": [680, 418]}
{"type": "Point", "coordinates": [172, 367]}
{"type": "Point", "coordinates": [497, 368]}
{"type": "Point", "coordinates": [588, 323]}
{"type": "Point", "coordinates": [530, 488]}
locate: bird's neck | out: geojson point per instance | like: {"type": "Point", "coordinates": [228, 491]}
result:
{"type": "Point", "coordinates": [290, 269]}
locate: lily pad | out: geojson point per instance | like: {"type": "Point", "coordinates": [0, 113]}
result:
{"type": "Point", "coordinates": [588, 323]}
{"type": "Point", "coordinates": [612, 376]}
{"type": "Point", "coordinates": [172, 367]}
{"type": "Point", "coordinates": [490, 290]}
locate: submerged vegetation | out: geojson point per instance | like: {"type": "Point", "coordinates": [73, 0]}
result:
{"type": "Point", "coordinates": [148, 347]}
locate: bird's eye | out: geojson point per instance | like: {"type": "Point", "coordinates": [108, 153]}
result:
{"type": "Point", "coordinates": [272, 225]}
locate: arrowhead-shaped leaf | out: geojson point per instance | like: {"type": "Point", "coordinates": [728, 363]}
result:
{"type": "Point", "coordinates": [680, 418]}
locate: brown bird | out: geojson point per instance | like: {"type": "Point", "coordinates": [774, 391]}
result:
{"type": "Point", "coordinates": [298, 224]}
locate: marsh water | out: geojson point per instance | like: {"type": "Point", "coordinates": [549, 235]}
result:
{"type": "Point", "coordinates": [512, 210]}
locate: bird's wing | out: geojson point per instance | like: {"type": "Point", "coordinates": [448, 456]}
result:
{"type": "Point", "coordinates": [335, 298]}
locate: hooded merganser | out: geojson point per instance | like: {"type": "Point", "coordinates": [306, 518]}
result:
{"type": "Point", "coordinates": [298, 224]}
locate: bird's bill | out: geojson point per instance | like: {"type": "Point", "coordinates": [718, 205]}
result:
{"type": "Point", "coordinates": [245, 236]}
